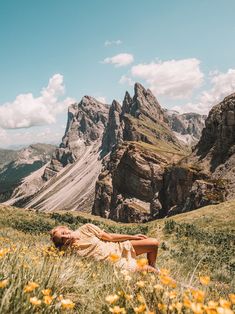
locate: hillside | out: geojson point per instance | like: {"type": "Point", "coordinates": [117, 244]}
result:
{"type": "Point", "coordinates": [15, 165]}
{"type": "Point", "coordinates": [193, 244]}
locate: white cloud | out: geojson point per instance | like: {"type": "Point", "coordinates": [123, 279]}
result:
{"type": "Point", "coordinates": [27, 111]}
{"type": "Point", "coordinates": [24, 137]}
{"type": "Point", "coordinates": [112, 42]}
{"type": "Point", "coordinates": [119, 60]}
{"type": "Point", "coordinates": [172, 78]}
{"type": "Point", "coordinates": [222, 84]}
{"type": "Point", "coordinates": [102, 99]}
{"type": "Point", "coordinates": [126, 80]}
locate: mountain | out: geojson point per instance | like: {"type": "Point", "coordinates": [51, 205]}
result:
{"type": "Point", "coordinates": [126, 162]}
{"type": "Point", "coordinates": [68, 180]}
{"type": "Point", "coordinates": [142, 146]}
{"type": "Point", "coordinates": [215, 152]}
{"type": "Point", "coordinates": [16, 165]}
{"type": "Point", "coordinates": [149, 175]}
{"type": "Point", "coordinates": [187, 127]}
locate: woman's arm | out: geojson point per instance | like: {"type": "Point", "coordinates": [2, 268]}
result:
{"type": "Point", "coordinates": [115, 237]}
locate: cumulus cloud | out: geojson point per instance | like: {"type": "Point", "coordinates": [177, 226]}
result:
{"type": "Point", "coordinates": [27, 111]}
{"type": "Point", "coordinates": [119, 60]}
{"type": "Point", "coordinates": [102, 99]}
{"type": "Point", "coordinates": [22, 137]}
{"type": "Point", "coordinates": [172, 78]}
{"type": "Point", "coordinates": [112, 43]}
{"type": "Point", "coordinates": [126, 80]}
{"type": "Point", "coordinates": [222, 84]}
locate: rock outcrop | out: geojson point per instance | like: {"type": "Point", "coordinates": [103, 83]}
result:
{"type": "Point", "coordinates": [127, 188]}
{"type": "Point", "coordinates": [68, 180]}
{"type": "Point", "coordinates": [85, 126]}
{"type": "Point", "coordinates": [143, 145]}
{"type": "Point", "coordinates": [215, 151]}
{"type": "Point", "coordinates": [187, 127]}
{"type": "Point", "coordinates": [18, 164]}
{"type": "Point", "coordinates": [141, 181]}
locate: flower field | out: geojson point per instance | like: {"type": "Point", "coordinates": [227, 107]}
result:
{"type": "Point", "coordinates": [36, 278]}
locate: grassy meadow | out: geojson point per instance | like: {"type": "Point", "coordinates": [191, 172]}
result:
{"type": "Point", "coordinates": [196, 258]}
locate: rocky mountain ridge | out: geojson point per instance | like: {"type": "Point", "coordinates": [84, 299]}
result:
{"type": "Point", "coordinates": [187, 127]}
{"type": "Point", "coordinates": [68, 180]}
{"type": "Point", "coordinates": [174, 186]}
{"type": "Point", "coordinates": [18, 164]}
{"type": "Point", "coordinates": [134, 153]}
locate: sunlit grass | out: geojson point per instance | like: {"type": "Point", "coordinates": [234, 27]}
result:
{"type": "Point", "coordinates": [36, 278]}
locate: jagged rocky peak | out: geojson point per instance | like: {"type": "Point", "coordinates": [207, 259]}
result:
{"type": "Point", "coordinates": [141, 118]}
{"type": "Point", "coordinates": [85, 126]}
{"type": "Point", "coordinates": [187, 126]}
{"type": "Point", "coordinates": [218, 138]}
{"type": "Point", "coordinates": [143, 103]}
{"type": "Point", "coordinates": [126, 105]}
{"type": "Point", "coordinates": [113, 133]}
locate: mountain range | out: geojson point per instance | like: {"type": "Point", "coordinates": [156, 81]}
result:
{"type": "Point", "coordinates": [15, 165]}
{"type": "Point", "coordinates": [136, 161]}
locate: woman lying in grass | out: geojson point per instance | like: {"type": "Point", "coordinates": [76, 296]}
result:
{"type": "Point", "coordinates": [91, 241]}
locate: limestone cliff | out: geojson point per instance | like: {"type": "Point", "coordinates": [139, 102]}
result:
{"type": "Point", "coordinates": [68, 180]}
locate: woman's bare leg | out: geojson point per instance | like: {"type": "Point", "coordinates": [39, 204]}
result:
{"type": "Point", "coordinates": [149, 246]}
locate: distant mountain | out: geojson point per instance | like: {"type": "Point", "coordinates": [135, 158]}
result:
{"type": "Point", "coordinates": [132, 162]}
{"type": "Point", "coordinates": [16, 165]}
{"type": "Point", "coordinates": [68, 180]}
{"type": "Point", "coordinates": [187, 127]}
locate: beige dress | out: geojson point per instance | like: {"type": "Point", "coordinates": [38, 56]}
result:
{"type": "Point", "coordinates": [89, 244]}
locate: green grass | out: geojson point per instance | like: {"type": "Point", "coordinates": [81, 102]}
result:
{"type": "Point", "coordinates": [192, 244]}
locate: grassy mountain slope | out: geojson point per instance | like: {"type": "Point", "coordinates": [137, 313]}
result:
{"type": "Point", "coordinates": [197, 243]}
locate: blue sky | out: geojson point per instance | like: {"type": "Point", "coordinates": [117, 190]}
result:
{"type": "Point", "coordinates": [183, 50]}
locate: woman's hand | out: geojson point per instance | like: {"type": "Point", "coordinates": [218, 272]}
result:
{"type": "Point", "coordinates": [140, 236]}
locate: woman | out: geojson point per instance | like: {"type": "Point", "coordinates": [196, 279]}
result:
{"type": "Point", "coordinates": [91, 241]}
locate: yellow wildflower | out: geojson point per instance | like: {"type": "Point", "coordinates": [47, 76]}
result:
{"type": "Point", "coordinates": [60, 297]}
{"type": "Point", "coordinates": [164, 271]}
{"type": "Point", "coordinates": [3, 283]}
{"type": "Point", "coordinates": [114, 257]}
{"type": "Point", "coordinates": [209, 310]}
{"type": "Point", "coordinates": [168, 281]}
{"type": "Point", "coordinates": [31, 286]}
{"type": "Point", "coordinates": [187, 302]}
{"type": "Point", "coordinates": [46, 291]}
{"type": "Point", "coordinates": [67, 304]}
{"type": "Point", "coordinates": [117, 310]}
{"type": "Point", "coordinates": [141, 262]}
{"type": "Point", "coordinates": [178, 306]}
{"type": "Point", "coordinates": [198, 295]}
{"type": "Point", "coordinates": [204, 280]}
{"type": "Point", "coordinates": [161, 306]}
{"type": "Point", "coordinates": [225, 303]}
{"type": "Point", "coordinates": [212, 304]}
{"type": "Point", "coordinates": [47, 299]}
{"type": "Point", "coordinates": [112, 298]}
{"type": "Point", "coordinates": [140, 309]}
{"type": "Point", "coordinates": [172, 294]}
{"type": "Point", "coordinates": [3, 252]}
{"type": "Point", "coordinates": [140, 284]}
{"type": "Point", "coordinates": [197, 308]}
{"type": "Point", "coordinates": [128, 297]}
{"type": "Point", "coordinates": [35, 301]}
{"type": "Point", "coordinates": [232, 297]}
{"type": "Point", "coordinates": [121, 293]}
{"type": "Point", "coordinates": [140, 298]}
{"type": "Point", "coordinates": [222, 310]}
